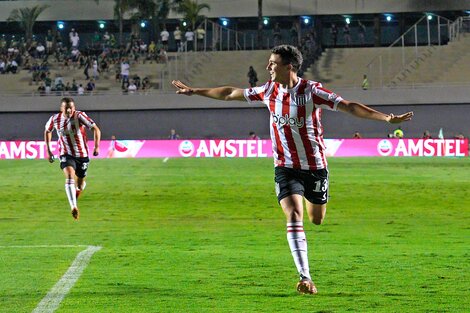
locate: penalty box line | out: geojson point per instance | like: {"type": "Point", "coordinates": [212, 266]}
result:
{"type": "Point", "coordinates": [54, 297]}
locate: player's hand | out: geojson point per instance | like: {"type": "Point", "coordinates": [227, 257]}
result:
{"type": "Point", "coordinates": [51, 158]}
{"type": "Point", "coordinates": [182, 88]}
{"type": "Point", "coordinates": [395, 119]}
{"type": "Point", "coordinates": [96, 151]}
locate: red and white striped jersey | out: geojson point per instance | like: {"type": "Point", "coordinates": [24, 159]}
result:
{"type": "Point", "coordinates": [295, 122]}
{"type": "Point", "coordinates": [71, 132]}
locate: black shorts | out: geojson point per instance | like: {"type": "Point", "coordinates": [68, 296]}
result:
{"type": "Point", "coordinates": [80, 165]}
{"type": "Point", "coordinates": [313, 185]}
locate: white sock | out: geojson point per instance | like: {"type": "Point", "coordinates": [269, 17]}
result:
{"type": "Point", "coordinates": [298, 247]}
{"type": "Point", "coordinates": [70, 192]}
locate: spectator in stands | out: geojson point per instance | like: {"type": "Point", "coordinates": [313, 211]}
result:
{"type": "Point", "coordinates": [164, 35]}
{"type": "Point", "coordinates": [80, 90]}
{"type": "Point", "coordinates": [189, 35]}
{"type": "Point", "coordinates": [95, 69]}
{"type": "Point", "coordinates": [460, 136]}
{"type": "Point", "coordinates": [365, 82]}
{"type": "Point", "coordinates": [48, 82]}
{"type": "Point", "coordinates": [117, 76]}
{"type": "Point", "coordinates": [12, 66]}
{"type": "Point", "coordinates": [294, 34]}
{"type": "Point", "coordinates": [200, 34]}
{"type": "Point", "coordinates": [74, 89]}
{"type": "Point", "coordinates": [74, 40]}
{"type": "Point", "coordinates": [49, 41]}
{"type": "Point", "coordinates": [2, 66]}
{"type": "Point", "coordinates": [106, 39]}
{"type": "Point", "coordinates": [173, 135]}
{"type": "Point", "coordinates": [357, 135]}
{"type": "Point", "coordinates": [152, 51]}
{"type": "Point", "coordinates": [104, 66]}
{"type": "Point", "coordinates": [75, 55]}
{"type": "Point", "coordinates": [145, 84]}
{"type": "Point", "coordinates": [59, 88]}
{"type": "Point", "coordinates": [71, 34]}
{"type": "Point", "coordinates": [90, 86]}
{"type": "Point", "coordinates": [40, 50]}
{"type": "Point", "coordinates": [68, 88]}
{"type": "Point", "coordinates": [96, 40]}
{"type": "Point", "coordinates": [143, 48]}
{"type": "Point", "coordinates": [253, 136]}
{"type": "Point", "coordinates": [87, 67]}
{"type": "Point", "coordinates": [334, 34]}
{"type": "Point", "coordinates": [136, 80]}
{"type": "Point", "coordinates": [398, 133]}
{"type": "Point", "coordinates": [177, 36]}
{"type": "Point", "coordinates": [125, 70]}
{"type": "Point", "coordinates": [58, 40]}
{"type": "Point", "coordinates": [3, 44]}
{"type": "Point", "coordinates": [125, 86]}
{"type": "Point", "coordinates": [58, 80]}
{"type": "Point", "coordinates": [347, 35]}
{"type": "Point", "coordinates": [252, 77]}
{"type": "Point", "coordinates": [361, 33]}
{"type": "Point", "coordinates": [132, 88]}
{"type": "Point", "coordinates": [427, 134]}
{"type": "Point", "coordinates": [162, 56]}
{"type": "Point", "coordinates": [112, 41]}
{"type": "Point", "coordinates": [42, 89]}
{"type": "Point", "coordinates": [277, 36]}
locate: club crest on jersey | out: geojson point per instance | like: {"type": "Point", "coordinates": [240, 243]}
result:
{"type": "Point", "coordinates": [300, 100]}
{"type": "Point", "coordinates": [286, 120]}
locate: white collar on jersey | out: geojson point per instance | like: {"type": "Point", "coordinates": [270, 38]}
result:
{"type": "Point", "coordinates": [293, 88]}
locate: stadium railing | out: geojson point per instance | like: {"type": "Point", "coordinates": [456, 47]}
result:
{"type": "Point", "coordinates": [412, 48]}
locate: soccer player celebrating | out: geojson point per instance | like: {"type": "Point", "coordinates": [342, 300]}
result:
{"type": "Point", "coordinates": [70, 126]}
{"type": "Point", "coordinates": [295, 106]}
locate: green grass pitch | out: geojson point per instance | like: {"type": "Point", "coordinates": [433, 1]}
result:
{"type": "Point", "coordinates": [207, 235]}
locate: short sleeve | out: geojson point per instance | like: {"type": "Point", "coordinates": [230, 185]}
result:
{"type": "Point", "coordinates": [50, 124]}
{"type": "Point", "coordinates": [324, 98]}
{"type": "Point", "coordinates": [255, 94]}
{"type": "Point", "coordinates": [85, 120]}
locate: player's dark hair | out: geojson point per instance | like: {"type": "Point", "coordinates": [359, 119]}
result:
{"type": "Point", "coordinates": [289, 55]}
{"type": "Point", "coordinates": [67, 100]}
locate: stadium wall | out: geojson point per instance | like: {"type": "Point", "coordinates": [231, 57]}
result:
{"type": "Point", "coordinates": [76, 10]}
{"type": "Point", "coordinates": [152, 117]}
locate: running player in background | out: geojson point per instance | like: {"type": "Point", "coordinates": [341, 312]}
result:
{"type": "Point", "coordinates": [70, 127]}
{"type": "Point", "coordinates": [295, 106]}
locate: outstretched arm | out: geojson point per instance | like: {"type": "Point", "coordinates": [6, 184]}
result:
{"type": "Point", "coordinates": [96, 139]}
{"type": "Point", "coordinates": [226, 93]}
{"type": "Point", "coordinates": [363, 111]}
{"type": "Point", "coordinates": [48, 139]}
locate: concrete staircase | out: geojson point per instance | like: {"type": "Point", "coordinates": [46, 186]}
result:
{"type": "Point", "coordinates": [213, 69]}
{"type": "Point", "coordinates": [448, 64]}
{"type": "Point", "coordinates": [342, 67]}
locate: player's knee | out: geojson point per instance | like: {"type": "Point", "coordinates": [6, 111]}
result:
{"type": "Point", "coordinates": [317, 220]}
{"type": "Point", "coordinates": [294, 216]}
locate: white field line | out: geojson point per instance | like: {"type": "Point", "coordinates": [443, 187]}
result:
{"type": "Point", "coordinates": [45, 246]}
{"type": "Point", "coordinates": [54, 297]}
